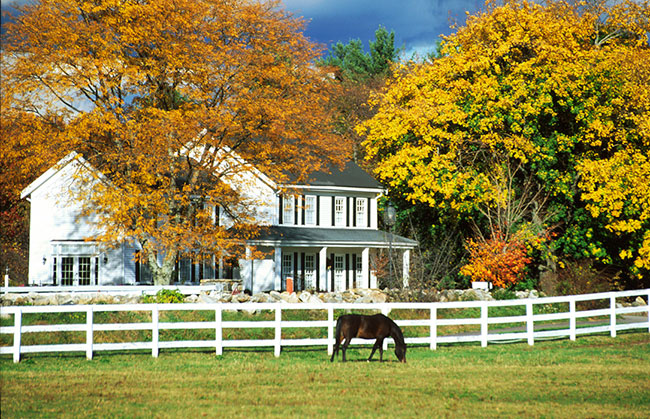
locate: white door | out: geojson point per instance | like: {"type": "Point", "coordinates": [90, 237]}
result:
{"type": "Point", "coordinates": [339, 273]}
{"type": "Point", "coordinates": [310, 271]}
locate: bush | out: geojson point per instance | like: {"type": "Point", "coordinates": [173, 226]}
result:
{"type": "Point", "coordinates": [164, 296]}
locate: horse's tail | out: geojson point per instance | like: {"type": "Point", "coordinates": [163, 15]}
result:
{"type": "Point", "coordinates": [337, 339]}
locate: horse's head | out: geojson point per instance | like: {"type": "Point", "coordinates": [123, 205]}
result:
{"type": "Point", "coordinates": [400, 351]}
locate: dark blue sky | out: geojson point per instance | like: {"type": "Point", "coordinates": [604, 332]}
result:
{"type": "Point", "coordinates": [417, 23]}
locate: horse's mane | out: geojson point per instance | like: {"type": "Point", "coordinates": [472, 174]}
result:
{"type": "Point", "coordinates": [396, 333]}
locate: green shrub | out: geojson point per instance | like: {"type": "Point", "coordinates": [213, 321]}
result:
{"type": "Point", "coordinates": [504, 294]}
{"type": "Point", "coordinates": [164, 296]}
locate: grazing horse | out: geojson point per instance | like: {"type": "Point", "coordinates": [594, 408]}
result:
{"type": "Point", "coordinates": [376, 326]}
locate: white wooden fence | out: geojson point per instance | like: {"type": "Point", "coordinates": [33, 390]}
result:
{"type": "Point", "coordinates": [527, 330]}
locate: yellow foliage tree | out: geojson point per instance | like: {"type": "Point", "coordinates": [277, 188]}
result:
{"type": "Point", "coordinates": [160, 96]}
{"type": "Point", "coordinates": [559, 91]}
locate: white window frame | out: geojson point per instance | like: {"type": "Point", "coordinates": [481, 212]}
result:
{"type": "Point", "coordinates": [287, 269]}
{"type": "Point", "coordinates": [358, 272]}
{"type": "Point", "coordinates": [310, 210]}
{"type": "Point", "coordinates": [361, 212]}
{"type": "Point", "coordinates": [339, 272]}
{"type": "Point", "coordinates": [288, 208]}
{"type": "Point", "coordinates": [339, 211]}
{"type": "Point", "coordinates": [310, 271]}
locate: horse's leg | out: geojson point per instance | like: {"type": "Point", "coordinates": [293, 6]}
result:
{"type": "Point", "coordinates": [344, 348]}
{"type": "Point", "coordinates": [380, 343]}
{"type": "Point", "coordinates": [336, 349]}
{"type": "Point", "coordinates": [374, 348]}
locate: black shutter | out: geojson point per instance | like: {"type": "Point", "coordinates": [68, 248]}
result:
{"type": "Point", "coordinates": [295, 210]}
{"type": "Point", "coordinates": [295, 271]}
{"type": "Point", "coordinates": [302, 274]}
{"type": "Point", "coordinates": [347, 271]}
{"type": "Point", "coordinates": [347, 212]}
{"type": "Point", "coordinates": [281, 209]}
{"type": "Point", "coordinates": [368, 211]}
{"type": "Point", "coordinates": [354, 212]}
{"type": "Point", "coordinates": [303, 208]}
{"type": "Point", "coordinates": [332, 271]}
{"type": "Point", "coordinates": [354, 270]}
{"type": "Point", "coordinates": [318, 210]}
{"type": "Point", "coordinates": [317, 263]}
{"type": "Point", "coordinates": [333, 211]}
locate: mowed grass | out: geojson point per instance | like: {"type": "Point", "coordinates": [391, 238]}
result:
{"type": "Point", "coordinates": [595, 376]}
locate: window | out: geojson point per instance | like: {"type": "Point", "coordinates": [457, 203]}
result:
{"type": "Point", "coordinates": [339, 273]}
{"type": "Point", "coordinates": [288, 210]}
{"type": "Point", "coordinates": [358, 272]}
{"type": "Point", "coordinates": [287, 269]}
{"type": "Point", "coordinates": [339, 211]}
{"type": "Point", "coordinates": [84, 271]}
{"type": "Point", "coordinates": [310, 210]}
{"type": "Point", "coordinates": [67, 271]}
{"type": "Point", "coordinates": [310, 271]}
{"type": "Point", "coordinates": [361, 213]}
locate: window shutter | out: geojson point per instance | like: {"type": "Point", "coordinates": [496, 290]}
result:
{"type": "Point", "coordinates": [347, 271]}
{"type": "Point", "coordinates": [295, 210]}
{"type": "Point", "coordinates": [281, 209]}
{"type": "Point", "coordinates": [354, 211]}
{"type": "Point", "coordinates": [333, 211]}
{"type": "Point", "coordinates": [317, 209]}
{"type": "Point", "coordinates": [303, 208]}
{"type": "Point", "coordinates": [368, 211]}
{"type": "Point", "coordinates": [347, 212]}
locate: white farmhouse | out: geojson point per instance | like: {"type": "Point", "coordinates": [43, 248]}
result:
{"type": "Point", "coordinates": [319, 236]}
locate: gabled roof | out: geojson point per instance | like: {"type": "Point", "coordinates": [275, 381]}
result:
{"type": "Point", "coordinates": [69, 159]}
{"type": "Point", "coordinates": [351, 176]}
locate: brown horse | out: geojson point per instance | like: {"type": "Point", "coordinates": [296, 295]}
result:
{"type": "Point", "coordinates": [376, 326]}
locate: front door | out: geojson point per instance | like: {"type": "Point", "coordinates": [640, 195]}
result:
{"type": "Point", "coordinates": [339, 272]}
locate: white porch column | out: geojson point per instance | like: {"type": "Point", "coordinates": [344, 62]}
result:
{"type": "Point", "coordinates": [278, 269]}
{"type": "Point", "coordinates": [322, 269]}
{"type": "Point", "coordinates": [406, 261]}
{"type": "Point", "coordinates": [365, 267]}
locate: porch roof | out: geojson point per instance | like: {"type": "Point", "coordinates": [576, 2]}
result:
{"type": "Point", "coordinates": [330, 237]}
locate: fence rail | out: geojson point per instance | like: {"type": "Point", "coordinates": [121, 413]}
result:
{"type": "Point", "coordinates": [526, 330]}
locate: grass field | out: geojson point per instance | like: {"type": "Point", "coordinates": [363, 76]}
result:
{"type": "Point", "coordinates": [595, 376]}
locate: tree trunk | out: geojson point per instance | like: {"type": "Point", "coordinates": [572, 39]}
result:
{"type": "Point", "coordinates": [162, 274]}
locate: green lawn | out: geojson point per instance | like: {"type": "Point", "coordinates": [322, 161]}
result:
{"type": "Point", "coordinates": [595, 376]}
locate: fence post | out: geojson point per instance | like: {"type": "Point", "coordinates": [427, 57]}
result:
{"type": "Point", "coordinates": [572, 319]}
{"type": "Point", "coordinates": [278, 330]}
{"type": "Point", "coordinates": [330, 329]}
{"type": "Point", "coordinates": [218, 331]}
{"type": "Point", "coordinates": [648, 307]}
{"type": "Point", "coordinates": [484, 324]}
{"type": "Point", "coordinates": [433, 344]}
{"type": "Point", "coordinates": [89, 332]}
{"type": "Point", "coordinates": [18, 325]}
{"type": "Point", "coordinates": [154, 331]}
{"type": "Point", "coordinates": [612, 316]}
{"type": "Point", "coordinates": [530, 325]}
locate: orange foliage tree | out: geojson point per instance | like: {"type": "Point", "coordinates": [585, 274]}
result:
{"type": "Point", "coordinates": [497, 260]}
{"type": "Point", "coordinates": [160, 97]}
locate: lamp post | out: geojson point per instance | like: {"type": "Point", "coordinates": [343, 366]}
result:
{"type": "Point", "coordinates": [390, 216]}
